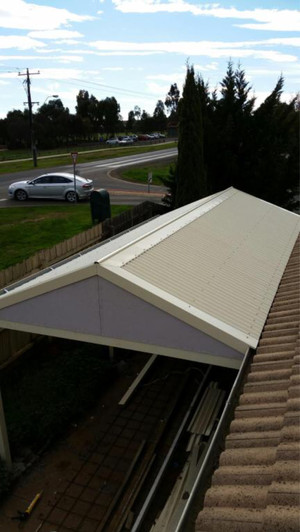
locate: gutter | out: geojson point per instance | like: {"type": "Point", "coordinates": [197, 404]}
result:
{"type": "Point", "coordinates": [208, 456]}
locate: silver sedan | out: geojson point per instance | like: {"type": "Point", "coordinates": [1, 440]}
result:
{"type": "Point", "coordinates": [62, 186]}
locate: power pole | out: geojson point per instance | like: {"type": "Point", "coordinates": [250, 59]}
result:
{"type": "Point", "coordinates": [30, 104]}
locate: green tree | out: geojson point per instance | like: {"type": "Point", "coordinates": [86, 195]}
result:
{"type": "Point", "coordinates": [159, 117]}
{"type": "Point", "coordinates": [89, 109]}
{"type": "Point", "coordinates": [190, 173]}
{"type": "Point", "coordinates": [130, 121]}
{"type": "Point", "coordinates": [232, 119]}
{"type": "Point", "coordinates": [111, 113]}
{"type": "Point", "coordinates": [52, 124]}
{"type": "Point", "coordinates": [208, 106]}
{"type": "Point", "coordinates": [146, 122]}
{"type": "Point", "coordinates": [137, 112]}
{"type": "Point", "coordinates": [172, 101]}
{"type": "Point", "coordinates": [17, 129]}
{"type": "Point", "coordinates": [83, 103]}
{"type": "Point", "coordinates": [170, 182]}
{"type": "Point", "coordinates": [275, 170]}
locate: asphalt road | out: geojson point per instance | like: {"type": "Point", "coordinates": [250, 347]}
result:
{"type": "Point", "coordinates": [103, 173]}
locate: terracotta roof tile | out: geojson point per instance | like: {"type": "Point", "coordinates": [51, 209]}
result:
{"type": "Point", "coordinates": [256, 487]}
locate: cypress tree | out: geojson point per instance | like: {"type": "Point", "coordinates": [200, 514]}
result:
{"type": "Point", "coordinates": [190, 174]}
{"type": "Point", "coordinates": [275, 175]}
{"type": "Point", "coordinates": [232, 122]}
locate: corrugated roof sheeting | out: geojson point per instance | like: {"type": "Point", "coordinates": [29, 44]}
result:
{"type": "Point", "coordinates": [225, 259]}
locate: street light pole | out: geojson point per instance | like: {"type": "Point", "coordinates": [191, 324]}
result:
{"type": "Point", "coordinates": [51, 96]}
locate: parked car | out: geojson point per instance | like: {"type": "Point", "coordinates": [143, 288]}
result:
{"type": "Point", "coordinates": [112, 141]}
{"type": "Point", "coordinates": [52, 186]}
{"type": "Point", "coordinates": [125, 140]}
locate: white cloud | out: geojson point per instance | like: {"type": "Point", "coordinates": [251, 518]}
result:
{"type": "Point", "coordinates": [212, 67]}
{"type": "Point", "coordinates": [267, 19]}
{"type": "Point", "coordinates": [19, 43]}
{"type": "Point", "coordinates": [55, 34]}
{"type": "Point", "coordinates": [68, 58]}
{"type": "Point", "coordinates": [167, 77]}
{"type": "Point", "coordinates": [22, 15]}
{"type": "Point", "coordinates": [61, 73]}
{"type": "Point", "coordinates": [114, 69]}
{"type": "Point", "coordinates": [67, 41]}
{"type": "Point", "coordinates": [284, 41]}
{"type": "Point", "coordinates": [195, 48]}
{"type": "Point", "coordinates": [159, 90]}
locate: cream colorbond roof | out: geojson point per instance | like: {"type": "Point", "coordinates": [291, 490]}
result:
{"type": "Point", "coordinates": [220, 264]}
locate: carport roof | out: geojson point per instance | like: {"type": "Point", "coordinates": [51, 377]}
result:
{"type": "Point", "coordinates": [214, 265]}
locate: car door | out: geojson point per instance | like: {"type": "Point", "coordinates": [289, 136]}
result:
{"type": "Point", "coordinates": [59, 185]}
{"type": "Point", "coordinates": [40, 187]}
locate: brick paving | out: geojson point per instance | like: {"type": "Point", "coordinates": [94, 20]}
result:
{"type": "Point", "coordinates": [83, 504]}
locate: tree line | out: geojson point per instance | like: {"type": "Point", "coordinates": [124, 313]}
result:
{"type": "Point", "coordinates": [94, 119]}
{"type": "Point", "coordinates": [226, 141]}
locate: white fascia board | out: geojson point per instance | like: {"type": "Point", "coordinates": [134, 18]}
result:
{"type": "Point", "coordinates": [201, 357]}
{"type": "Point", "coordinates": [38, 286]}
{"type": "Point", "coordinates": [177, 308]}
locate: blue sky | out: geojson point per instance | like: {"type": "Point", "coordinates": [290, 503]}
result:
{"type": "Point", "coordinates": [135, 49]}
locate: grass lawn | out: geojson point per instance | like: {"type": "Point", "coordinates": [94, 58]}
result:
{"type": "Point", "coordinates": [141, 174]}
{"type": "Point", "coordinates": [26, 230]}
{"type": "Point", "coordinates": [12, 161]}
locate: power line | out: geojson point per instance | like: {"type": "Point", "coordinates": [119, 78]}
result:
{"type": "Point", "coordinates": [111, 87]}
{"type": "Point", "coordinates": [101, 85]}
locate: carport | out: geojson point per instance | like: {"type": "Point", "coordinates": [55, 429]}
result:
{"type": "Point", "coordinates": [196, 283]}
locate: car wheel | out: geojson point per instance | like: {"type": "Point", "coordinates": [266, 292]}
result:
{"type": "Point", "coordinates": [71, 196]}
{"type": "Point", "coordinates": [21, 195]}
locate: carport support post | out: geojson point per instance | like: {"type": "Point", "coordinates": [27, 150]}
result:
{"type": "Point", "coordinates": [4, 444]}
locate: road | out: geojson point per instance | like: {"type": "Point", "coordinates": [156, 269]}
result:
{"type": "Point", "coordinates": [102, 173]}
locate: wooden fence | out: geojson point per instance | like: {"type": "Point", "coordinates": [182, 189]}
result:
{"type": "Point", "coordinates": [46, 257]}
{"type": "Point", "coordinates": [106, 229]}
{"type": "Point", "coordinates": [13, 343]}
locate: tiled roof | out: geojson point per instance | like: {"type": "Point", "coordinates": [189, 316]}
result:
{"type": "Point", "coordinates": [257, 484]}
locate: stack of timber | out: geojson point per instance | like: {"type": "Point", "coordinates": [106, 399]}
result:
{"type": "Point", "coordinates": [201, 429]}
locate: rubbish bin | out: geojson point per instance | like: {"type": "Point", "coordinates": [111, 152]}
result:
{"type": "Point", "coordinates": [100, 205]}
